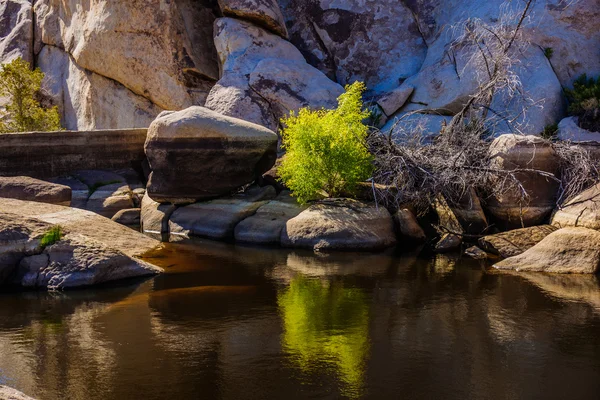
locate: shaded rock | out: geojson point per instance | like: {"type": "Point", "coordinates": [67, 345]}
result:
{"type": "Point", "coordinates": [198, 154]}
{"type": "Point", "coordinates": [469, 213]}
{"type": "Point", "coordinates": [476, 253]}
{"type": "Point", "coordinates": [515, 242]}
{"type": "Point", "coordinates": [26, 188]}
{"type": "Point", "coordinates": [448, 242]}
{"type": "Point", "coordinates": [79, 190]}
{"type": "Point", "coordinates": [347, 39]}
{"type": "Point", "coordinates": [95, 178]}
{"type": "Point", "coordinates": [128, 217]}
{"type": "Point", "coordinates": [266, 225]}
{"type": "Point", "coordinates": [154, 218]}
{"type": "Point", "coordinates": [7, 393]}
{"type": "Point", "coordinates": [109, 199]}
{"type": "Point", "coordinates": [407, 226]}
{"type": "Point", "coordinates": [343, 225]}
{"type": "Point", "coordinates": [265, 13]}
{"type": "Point", "coordinates": [447, 219]}
{"type": "Point", "coordinates": [217, 219]}
{"type": "Point", "coordinates": [513, 152]}
{"type": "Point", "coordinates": [568, 129]}
{"type": "Point", "coordinates": [395, 99]}
{"type": "Point", "coordinates": [16, 30]}
{"type": "Point", "coordinates": [87, 223]}
{"type": "Point", "coordinates": [566, 251]}
{"type": "Point", "coordinates": [583, 210]}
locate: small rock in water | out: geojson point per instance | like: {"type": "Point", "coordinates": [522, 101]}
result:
{"type": "Point", "coordinates": [448, 242]}
{"type": "Point", "coordinates": [476, 253]}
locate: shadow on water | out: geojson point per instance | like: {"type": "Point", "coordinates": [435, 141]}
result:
{"type": "Point", "coordinates": [235, 322]}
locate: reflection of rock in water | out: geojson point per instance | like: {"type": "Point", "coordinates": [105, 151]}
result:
{"type": "Point", "coordinates": [583, 288]}
{"type": "Point", "coordinates": [328, 323]}
{"type": "Point", "coordinates": [339, 264]}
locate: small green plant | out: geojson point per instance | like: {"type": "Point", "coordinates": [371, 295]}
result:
{"type": "Point", "coordinates": [53, 235]}
{"type": "Point", "coordinates": [326, 149]}
{"type": "Point", "coordinates": [23, 112]}
{"type": "Point", "coordinates": [548, 52]}
{"type": "Point", "coordinates": [584, 102]}
{"type": "Point", "coordinates": [550, 131]}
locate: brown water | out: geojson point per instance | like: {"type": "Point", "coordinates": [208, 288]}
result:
{"type": "Point", "coordinates": [230, 322]}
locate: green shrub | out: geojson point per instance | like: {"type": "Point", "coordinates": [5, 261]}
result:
{"type": "Point", "coordinates": [584, 102]}
{"type": "Point", "coordinates": [53, 235]}
{"type": "Point", "coordinates": [326, 152]}
{"type": "Point", "coordinates": [548, 52]}
{"type": "Point", "coordinates": [550, 131]}
{"type": "Point", "coordinates": [23, 112]}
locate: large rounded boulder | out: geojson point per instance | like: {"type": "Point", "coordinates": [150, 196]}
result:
{"type": "Point", "coordinates": [198, 154]}
{"type": "Point", "coordinates": [532, 160]}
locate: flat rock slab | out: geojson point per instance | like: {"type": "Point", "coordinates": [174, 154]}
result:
{"type": "Point", "coordinates": [266, 225]}
{"type": "Point", "coordinates": [515, 242]}
{"type": "Point", "coordinates": [7, 393]}
{"type": "Point", "coordinates": [583, 210]}
{"type": "Point", "coordinates": [566, 251]}
{"type": "Point", "coordinates": [84, 222]}
{"type": "Point", "coordinates": [343, 225]}
{"type": "Point", "coordinates": [31, 189]}
{"type": "Point", "coordinates": [217, 219]}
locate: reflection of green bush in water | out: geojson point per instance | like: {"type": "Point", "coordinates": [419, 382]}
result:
{"type": "Point", "coordinates": [325, 322]}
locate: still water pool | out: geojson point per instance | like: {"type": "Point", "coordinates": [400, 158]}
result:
{"type": "Point", "coordinates": [229, 322]}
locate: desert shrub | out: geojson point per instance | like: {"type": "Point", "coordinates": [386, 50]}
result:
{"type": "Point", "coordinates": [52, 236]}
{"type": "Point", "coordinates": [326, 152]}
{"type": "Point", "coordinates": [23, 112]}
{"type": "Point", "coordinates": [584, 102]}
{"type": "Point", "coordinates": [550, 132]}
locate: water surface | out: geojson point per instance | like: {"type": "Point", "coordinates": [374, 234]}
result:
{"type": "Point", "coordinates": [229, 322]}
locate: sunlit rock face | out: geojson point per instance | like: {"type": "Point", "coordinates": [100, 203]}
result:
{"type": "Point", "coordinates": [116, 64]}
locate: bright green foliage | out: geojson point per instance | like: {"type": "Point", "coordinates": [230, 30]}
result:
{"type": "Point", "coordinates": [23, 112]}
{"type": "Point", "coordinates": [53, 235]}
{"type": "Point", "coordinates": [326, 322]}
{"type": "Point", "coordinates": [326, 149]}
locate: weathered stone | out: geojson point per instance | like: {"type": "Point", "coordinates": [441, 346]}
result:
{"type": "Point", "coordinates": [583, 210]}
{"type": "Point", "coordinates": [199, 154]}
{"type": "Point", "coordinates": [16, 30]}
{"type": "Point", "coordinates": [265, 13]}
{"type": "Point", "coordinates": [447, 219]}
{"type": "Point", "coordinates": [566, 251]}
{"type": "Point", "coordinates": [142, 44]}
{"type": "Point", "coordinates": [291, 85]}
{"type": "Point", "coordinates": [349, 38]}
{"type": "Point", "coordinates": [264, 76]}
{"type": "Point", "coordinates": [79, 190]}
{"type": "Point", "coordinates": [516, 241]}
{"type": "Point", "coordinates": [52, 154]}
{"type": "Point", "coordinates": [395, 99]}
{"type": "Point", "coordinates": [26, 188]}
{"type": "Point", "coordinates": [7, 393]}
{"type": "Point", "coordinates": [86, 100]}
{"type": "Point", "coordinates": [469, 213]}
{"type": "Point", "coordinates": [266, 225]}
{"type": "Point", "coordinates": [407, 226]}
{"type": "Point", "coordinates": [217, 219]}
{"type": "Point", "coordinates": [448, 242]}
{"type": "Point", "coordinates": [568, 129]}
{"type": "Point", "coordinates": [344, 225]}
{"type": "Point", "coordinates": [128, 217]}
{"type": "Point", "coordinates": [107, 200]}
{"type": "Point", "coordinates": [103, 230]}
{"type": "Point", "coordinates": [77, 260]}
{"type": "Point", "coordinates": [154, 218]}
{"type": "Point", "coordinates": [514, 152]}
{"type": "Point", "coordinates": [476, 253]}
